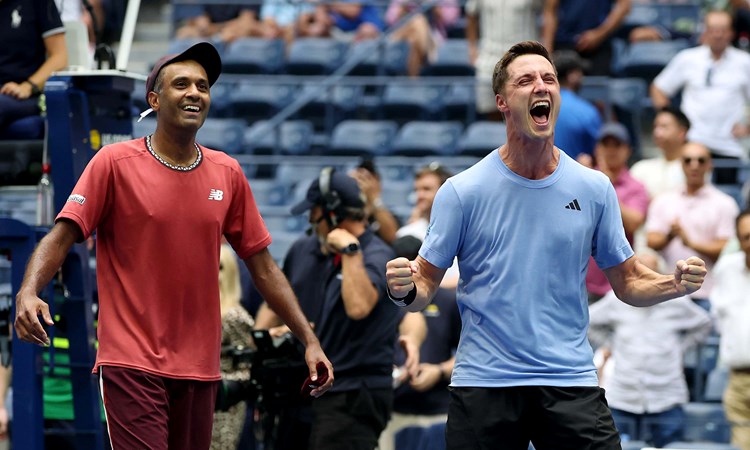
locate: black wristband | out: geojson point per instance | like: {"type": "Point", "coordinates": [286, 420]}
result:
{"type": "Point", "coordinates": [403, 301]}
{"type": "Point", "coordinates": [35, 91]}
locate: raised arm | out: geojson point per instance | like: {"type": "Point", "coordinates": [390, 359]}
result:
{"type": "Point", "coordinates": [413, 283]}
{"type": "Point", "coordinates": [637, 285]}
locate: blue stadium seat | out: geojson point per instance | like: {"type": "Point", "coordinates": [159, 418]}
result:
{"type": "Point", "coordinates": [331, 105]}
{"type": "Point", "coordinates": [716, 383]}
{"type": "Point", "coordinates": [362, 138]}
{"type": "Point", "coordinates": [452, 60]}
{"type": "Point", "coordinates": [596, 89]}
{"type": "Point", "coordinates": [280, 244]}
{"type": "Point", "coordinates": [386, 58]}
{"type": "Point", "coordinates": [293, 138]}
{"type": "Point", "coordinates": [412, 100]}
{"type": "Point", "coordinates": [222, 134]}
{"type": "Point", "coordinates": [460, 102]}
{"type": "Point", "coordinates": [644, 59]}
{"type": "Point", "coordinates": [315, 56]}
{"type": "Point", "coordinates": [634, 445]}
{"type": "Point", "coordinates": [706, 422]}
{"type": "Point", "coordinates": [258, 100]}
{"type": "Point", "coordinates": [681, 445]}
{"type": "Point", "coordinates": [482, 137]}
{"type": "Point", "coordinates": [254, 56]}
{"type": "Point", "coordinates": [31, 127]}
{"type": "Point", "coordinates": [420, 138]}
{"type": "Point", "coordinates": [180, 45]}
{"type": "Point", "coordinates": [628, 96]}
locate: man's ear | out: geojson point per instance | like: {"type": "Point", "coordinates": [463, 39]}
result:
{"type": "Point", "coordinates": [501, 103]}
{"type": "Point", "coordinates": [153, 100]}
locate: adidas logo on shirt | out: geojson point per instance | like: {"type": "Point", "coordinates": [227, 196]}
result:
{"type": "Point", "coordinates": [573, 205]}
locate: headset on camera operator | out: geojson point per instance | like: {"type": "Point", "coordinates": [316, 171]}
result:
{"type": "Point", "coordinates": [337, 273]}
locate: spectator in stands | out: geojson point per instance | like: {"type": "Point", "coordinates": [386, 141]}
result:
{"type": "Point", "coordinates": [579, 122]}
{"type": "Point", "coordinates": [492, 27]}
{"type": "Point", "coordinates": [664, 173]}
{"type": "Point", "coordinates": [158, 244]}
{"type": "Point", "coordinates": [348, 21]}
{"type": "Point", "coordinates": [427, 181]}
{"type": "Point", "coordinates": [646, 387]}
{"type": "Point", "coordinates": [279, 17]}
{"type": "Point", "coordinates": [225, 23]}
{"type": "Point", "coordinates": [423, 32]}
{"type": "Point", "coordinates": [423, 401]}
{"type": "Point", "coordinates": [612, 154]}
{"type": "Point", "coordinates": [697, 218]}
{"type": "Point", "coordinates": [33, 46]}
{"type": "Point", "coordinates": [730, 304]}
{"type": "Point", "coordinates": [381, 220]}
{"type": "Point", "coordinates": [338, 274]}
{"type": "Point", "coordinates": [523, 222]}
{"type": "Point", "coordinates": [236, 329]}
{"type": "Point", "coordinates": [585, 26]}
{"type": "Point", "coordinates": [714, 79]}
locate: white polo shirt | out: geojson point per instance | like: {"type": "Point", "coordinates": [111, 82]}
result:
{"type": "Point", "coordinates": [715, 94]}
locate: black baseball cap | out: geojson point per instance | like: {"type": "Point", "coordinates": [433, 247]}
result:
{"type": "Point", "coordinates": [204, 53]}
{"type": "Point", "coordinates": [345, 186]}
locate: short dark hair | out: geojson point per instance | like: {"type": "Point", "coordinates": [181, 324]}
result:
{"type": "Point", "coordinates": [436, 169]}
{"type": "Point", "coordinates": [500, 74]}
{"type": "Point", "coordinates": [678, 115]}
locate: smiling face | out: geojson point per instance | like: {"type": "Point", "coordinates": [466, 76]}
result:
{"type": "Point", "coordinates": [530, 99]}
{"type": "Point", "coordinates": [696, 163]}
{"type": "Point", "coordinates": [182, 95]}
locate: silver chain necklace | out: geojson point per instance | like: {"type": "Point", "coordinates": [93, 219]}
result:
{"type": "Point", "coordinates": [173, 166]}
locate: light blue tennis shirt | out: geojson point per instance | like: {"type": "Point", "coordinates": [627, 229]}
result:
{"type": "Point", "coordinates": [523, 249]}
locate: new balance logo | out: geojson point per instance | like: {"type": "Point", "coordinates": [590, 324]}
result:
{"type": "Point", "coordinates": [216, 194]}
{"type": "Point", "coordinates": [574, 205]}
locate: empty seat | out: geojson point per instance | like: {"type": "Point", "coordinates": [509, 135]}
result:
{"type": "Point", "coordinates": [460, 102]}
{"type": "Point", "coordinates": [254, 56]}
{"type": "Point", "coordinates": [376, 58]}
{"type": "Point", "coordinates": [700, 446]}
{"type": "Point", "coordinates": [280, 244]}
{"type": "Point", "coordinates": [706, 422]}
{"type": "Point", "coordinates": [628, 96]}
{"type": "Point", "coordinates": [482, 137]}
{"type": "Point", "coordinates": [644, 59]}
{"type": "Point", "coordinates": [330, 105]}
{"type": "Point", "coordinates": [452, 60]}
{"type": "Point", "coordinates": [222, 134]}
{"type": "Point", "coordinates": [412, 100]}
{"type": "Point", "coordinates": [716, 383]}
{"type": "Point", "coordinates": [290, 138]}
{"type": "Point", "coordinates": [419, 138]}
{"type": "Point", "coordinates": [180, 45]}
{"type": "Point", "coordinates": [30, 127]}
{"type": "Point", "coordinates": [315, 56]}
{"type": "Point", "coordinates": [255, 100]}
{"type": "Point", "coordinates": [362, 138]}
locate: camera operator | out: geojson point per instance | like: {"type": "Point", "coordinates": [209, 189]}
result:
{"type": "Point", "coordinates": [337, 273]}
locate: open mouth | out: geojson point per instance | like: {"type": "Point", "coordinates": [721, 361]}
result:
{"type": "Point", "coordinates": [191, 108]}
{"type": "Point", "coordinates": [540, 111]}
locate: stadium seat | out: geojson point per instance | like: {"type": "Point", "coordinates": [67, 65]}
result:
{"type": "Point", "coordinates": [331, 105]}
{"type": "Point", "coordinates": [31, 127]}
{"type": "Point", "coordinates": [315, 56]}
{"type": "Point", "coordinates": [644, 59]}
{"type": "Point", "coordinates": [222, 134]}
{"type": "Point", "coordinates": [180, 45]}
{"type": "Point", "coordinates": [258, 100]}
{"type": "Point", "coordinates": [716, 383]}
{"type": "Point", "coordinates": [293, 138]}
{"type": "Point", "coordinates": [460, 102]}
{"type": "Point", "coordinates": [596, 90]}
{"type": "Point", "coordinates": [362, 138]}
{"type": "Point", "coordinates": [628, 96]}
{"type": "Point", "coordinates": [420, 138]}
{"type": "Point", "coordinates": [452, 60]}
{"type": "Point", "coordinates": [706, 422]}
{"type": "Point", "coordinates": [482, 137]}
{"type": "Point", "coordinates": [254, 56]}
{"type": "Point", "coordinates": [379, 58]}
{"type": "Point", "coordinates": [681, 445]}
{"type": "Point", "coordinates": [634, 445]}
{"type": "Point", "coordinates": [412, 100]}
{"type": "Point", "coordinates": [280, 244]}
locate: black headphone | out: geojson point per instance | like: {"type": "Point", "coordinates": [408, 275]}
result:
{"type": "Point", "coordinates": [333, 209]}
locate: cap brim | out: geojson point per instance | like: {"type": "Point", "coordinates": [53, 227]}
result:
{"type": "Point", "coordinates": [304, 205]}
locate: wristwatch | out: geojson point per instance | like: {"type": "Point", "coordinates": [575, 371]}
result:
{"type": "Point", "coordinates": [349, 249]}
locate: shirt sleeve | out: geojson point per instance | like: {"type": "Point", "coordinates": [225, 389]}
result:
{"type": "Point", "coordinates": [49, 18]}
{"type": "Point", "coordinates": [446, 229]}
{"type": "Point", "coordinates": [244, 228]}
{"type": "Point", "coordinates": [611, 247]}
{"type": "Point", "coordinates": [673, 77]}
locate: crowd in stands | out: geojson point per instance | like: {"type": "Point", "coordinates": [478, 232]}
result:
{"type": "Point", "coordinates": [687, 198]}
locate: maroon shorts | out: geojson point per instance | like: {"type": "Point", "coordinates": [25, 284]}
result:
{"type": "Point", "coordinates": [147, 411]}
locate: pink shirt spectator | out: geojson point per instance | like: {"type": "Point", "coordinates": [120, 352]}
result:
{"type": "Point", "coordinates": [705, 216]}
{"type": "Point", "coordinates": [633, 194]}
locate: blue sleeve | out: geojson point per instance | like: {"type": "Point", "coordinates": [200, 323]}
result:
{"type": "Point", "coordinates": [610, 246]}
{"type": "Point", "coordinates": [446, 229]}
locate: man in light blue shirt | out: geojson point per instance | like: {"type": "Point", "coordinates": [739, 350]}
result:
{"type": "Point", "coordinates": [523, 223]}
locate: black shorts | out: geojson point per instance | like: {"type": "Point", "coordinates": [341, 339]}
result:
{"type": "Point", "coordinates": [552, 418]}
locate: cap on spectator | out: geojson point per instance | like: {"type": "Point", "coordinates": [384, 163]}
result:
{"type": "Point", "coordinates": [344, 186]}
{"type": "Point", "coordinates": [203, 53]}
{"type": "Point", "coordinates": [615, 130]}
{"type": "Point", "coordinates": [567, 61]}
